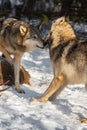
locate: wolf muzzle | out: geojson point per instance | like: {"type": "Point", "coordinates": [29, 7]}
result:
{"type": "Point", "coordinates": [45, 43]}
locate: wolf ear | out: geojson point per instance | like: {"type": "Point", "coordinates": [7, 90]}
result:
{"type": "Point", "coordinates": [64, 19]}
{"type": "Point", "coordinates": [67, 18]}
{"type": "Point", "coordinates": [23, 30]}
{"type": "Point", "coordinates": [61, 20]}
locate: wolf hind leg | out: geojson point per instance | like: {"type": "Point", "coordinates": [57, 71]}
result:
{"type": "Point", "coordinates": [54, 86]}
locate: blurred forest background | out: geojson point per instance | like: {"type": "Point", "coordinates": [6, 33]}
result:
{"type": "Point", "coordinates": [41, 13]}
{"type": "Point", "coordinates": [75, 9]}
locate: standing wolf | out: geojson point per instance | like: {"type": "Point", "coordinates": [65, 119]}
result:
{"type": "Point", "coordinates": [20, 37]}
{"type": "Point", "coordinates": [68, 57]}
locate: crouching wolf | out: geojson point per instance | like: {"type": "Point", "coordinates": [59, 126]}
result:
{"type": "Point", "coordinates": [68, 56]}
{"type": "Point", "coordinates": [19, 38]}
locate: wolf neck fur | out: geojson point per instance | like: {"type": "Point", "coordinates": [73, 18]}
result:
{"type": "Point", "coordinates": [61, 36]}
{"type": "Point", "coordinates": [60, 40]}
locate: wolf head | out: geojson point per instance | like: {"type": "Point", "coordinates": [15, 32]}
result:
{"type": "Point", "coordinates": [21, 34]}
{"type": "Point", "coordinates": [33, 39]}
{"type": "Point", "coordinates": [61, 31]}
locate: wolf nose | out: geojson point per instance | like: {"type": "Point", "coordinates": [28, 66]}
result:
{"type": "Point", "coordinates": [45, 43]}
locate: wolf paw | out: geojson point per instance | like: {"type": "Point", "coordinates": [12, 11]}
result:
{"type": "Point", "coordinates": [83, 120]}
{"type": "Point", "coordinates": [38, 100]}
{"type": "Point", "coordinates": [19, 90]}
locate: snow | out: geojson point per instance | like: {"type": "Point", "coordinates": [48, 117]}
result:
{"type": "Point", "coordinates": [17, 112]}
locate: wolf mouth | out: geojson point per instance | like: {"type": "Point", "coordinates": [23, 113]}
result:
{"type": "Point", "coordinates": [40, 47]}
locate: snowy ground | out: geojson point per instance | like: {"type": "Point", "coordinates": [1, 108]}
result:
{"type": "Point", "coordinates": [18, 113]}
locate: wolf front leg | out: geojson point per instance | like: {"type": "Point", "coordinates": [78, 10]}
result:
{"type": "Point", "coordinates": [56, 83]}
{"type": "Point", "coordinates": [60, 89]}
{"type": "Point", "coordinates": [17, 59]}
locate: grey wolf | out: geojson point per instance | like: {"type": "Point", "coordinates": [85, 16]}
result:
{"type": "Point", "coordinates": [68, 56]}
{"type": "Point", "coordinates": [20, 37]}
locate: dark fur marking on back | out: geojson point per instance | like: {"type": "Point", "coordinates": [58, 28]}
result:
{"type": "Point", "coordinates": [57, 52]}
{"type": "Point", "coordinates": [75, 51]}
{"type": "Point", "coordinates": [72, 49]}
{"type": "Point", "coordinates": [7, 27]}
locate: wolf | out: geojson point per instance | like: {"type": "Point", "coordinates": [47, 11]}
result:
{"type": "Point", "coordinates": [68, 56]}
{"type": "Point", "coordinates": [20, 37]}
